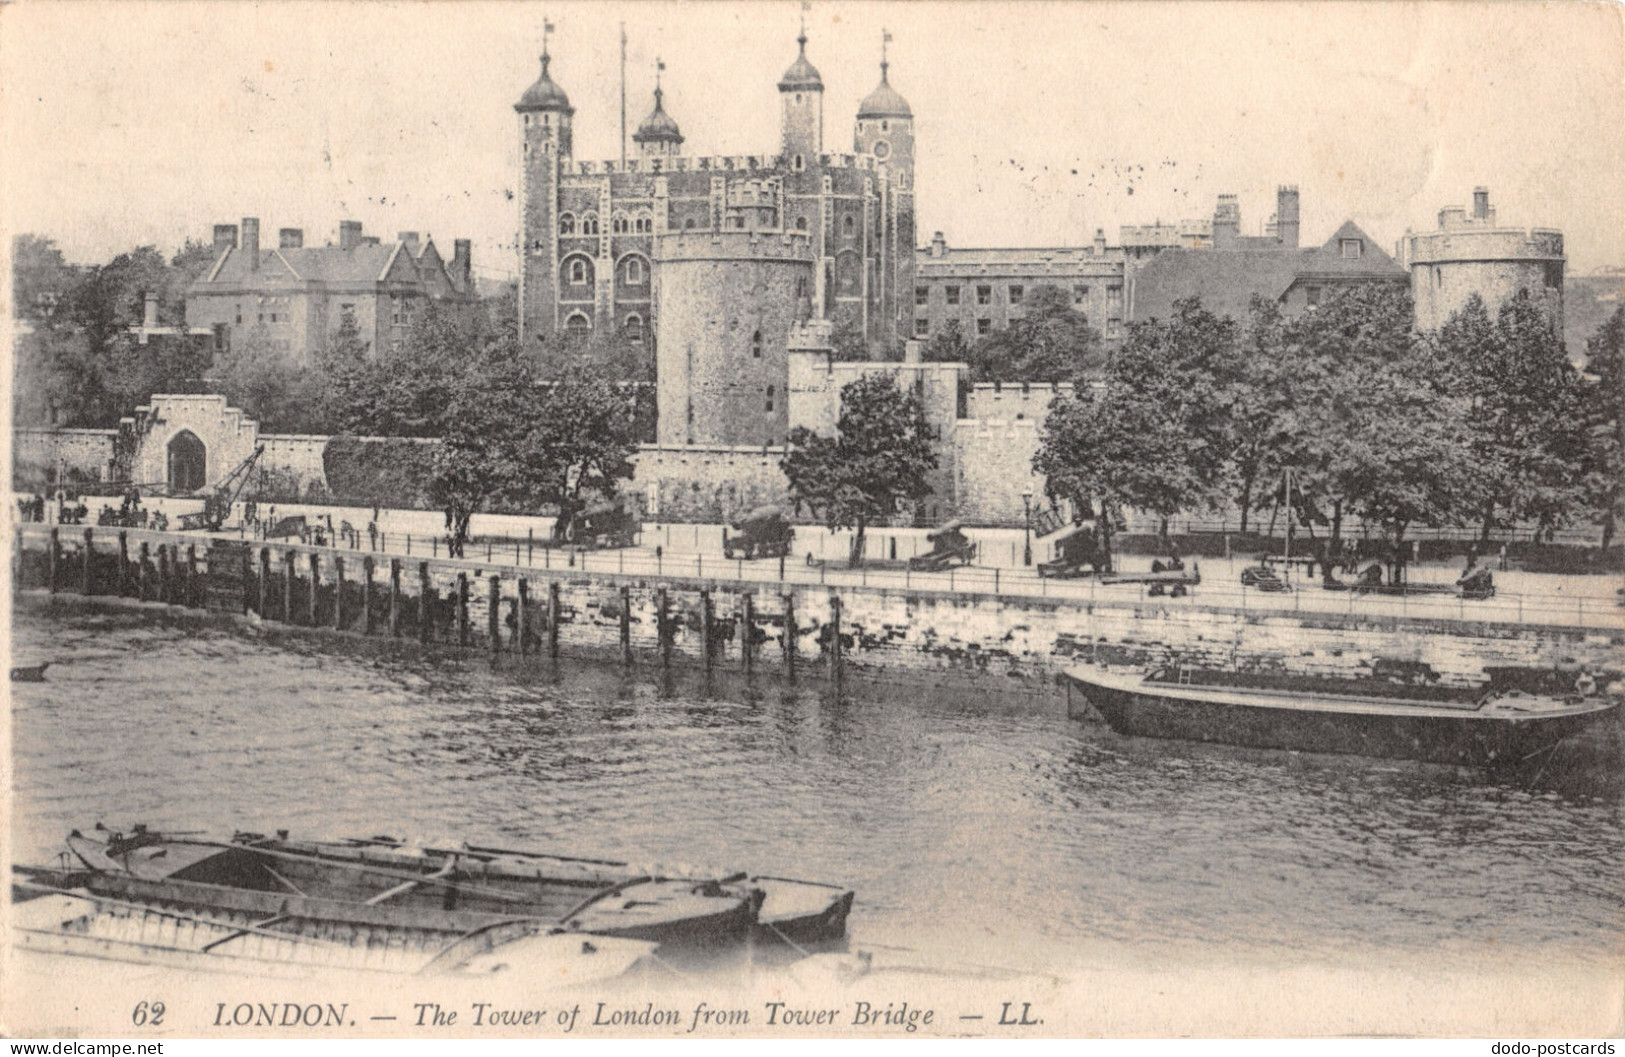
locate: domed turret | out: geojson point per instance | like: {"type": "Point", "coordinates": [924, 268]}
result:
{"type": "Point", "coordinates": [884, 101]}
{"type": "Point", "coordinates": [802, 76]}
{"type": "Point", "coordinates": [658, 134]}
{"type": "Point", "coordinates": [544, 94]}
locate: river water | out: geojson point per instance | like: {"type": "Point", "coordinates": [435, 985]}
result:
{"type": "Point", "coordinates": [974, 829]}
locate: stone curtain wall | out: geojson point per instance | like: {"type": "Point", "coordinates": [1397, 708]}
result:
{"type": "Point", "coordinates": [960, 640]}
{"type": "Point", "coordinates": [712, 485]}
{"type": "Point", "coordinates": [83, 454]}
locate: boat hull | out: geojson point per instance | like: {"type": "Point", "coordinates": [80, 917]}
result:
{"type": "Point", "coordinates": [1427, 735]}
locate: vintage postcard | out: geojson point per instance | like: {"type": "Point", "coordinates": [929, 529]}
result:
{"type": "Point", "coordinates": [782, 520]}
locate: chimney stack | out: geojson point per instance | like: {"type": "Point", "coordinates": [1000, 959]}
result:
{"type": "Point", "coordinates": [349, 234]}
{"type": "Point", "coordinates": [251, 241]}
{"type": "Point", "coordinates": [462, 266]}
{"type": "Point", "coordinates": [291, 238]}
{"type": "Point", "coordinates": [1286, 215]}
{"type": "Point", "coordinates": [939, 245]}
{"type": "Point", "coordinates": [1481, 203]}
{"type": "Point", "coordinates": [410, 238]}
{"type": "Point", "coordinates": [1100, 242]}
{"type": "Point", "coordinates": [912, 351]}
{"type": "Point", "coordinates": [149, 315]}
{"type": "Point", "coordinates": [225, 238]}
{"type": "Point", "coordinates": [1226, 222]}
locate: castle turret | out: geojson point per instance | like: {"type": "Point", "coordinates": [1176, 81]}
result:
{"type": "Point", "coordinates": [801, 92]}
{"type": "Point", "coordinates": [544, 125]}
{"type": "Point", "coordinates": [885, 130]}
{"type": "Point", "coordinates": [659, 135]}
{"type": "Point", "coordinates": [1472, 254]}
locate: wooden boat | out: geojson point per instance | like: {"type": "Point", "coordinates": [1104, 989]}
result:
{"type": "Point", "coordinates": [51, 920]}
{"type": "Point", "coordinates": [1362, 717]}
{"type": "Point", "coordinates": [794, 911]}
{"type": "Point", "coordinates": [30, 673]}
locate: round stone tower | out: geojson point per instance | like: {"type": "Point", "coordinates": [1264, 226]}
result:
{"type": "Point", "coordinates": [727, 302]}
{"type": "Point", "coordinates": [545, 117]}
{"type": "Point", "coordinates": [1469, 254]}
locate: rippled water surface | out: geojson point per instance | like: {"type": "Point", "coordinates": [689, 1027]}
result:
{"type": "Point", "coordinates": [964, 823]}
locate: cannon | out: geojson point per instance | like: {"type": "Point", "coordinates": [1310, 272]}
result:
{"type": "Point", "coordinates": [1075, 548]}
{"type": "Point", "coordinates": [949, 547]}
{"type": "Point", "coordinates": [762, 533]}
{"type": "Point", "coordinates": [608, 524]}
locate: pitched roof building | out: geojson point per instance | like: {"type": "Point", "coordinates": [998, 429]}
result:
{"type": "Point", "coordinates": [292, 299]}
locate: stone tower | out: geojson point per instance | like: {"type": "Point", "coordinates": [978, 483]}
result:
{"type": "Point", "coordinates": [658, 136]}
{"type": "Point", "coordinates": [885, 130]}
{"type": "Point", "coordinates": [1471, 254]}
{"type": "Point", "coordinates": [545, 147]}
{"type": "Point", "coordinates": [801, 95]}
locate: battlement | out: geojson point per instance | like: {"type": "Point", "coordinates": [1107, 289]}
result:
{"type": "Point", "coordinates": [1022, 401]}
{"type": "Point", "coordinates": [765, 164]}
{"type": "Point", "coordinates": [1482, 244]}
{"type": "Point", "coordinates": [703, 245]}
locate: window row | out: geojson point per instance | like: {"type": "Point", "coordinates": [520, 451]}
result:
{"type": "Point", "coordinates": [642, 223]}
{"type": "Point", "coordinates": [579, 325]}
{"type": "Point", "coordinates": [579, 271]}
{"type": "Point", "coordinates": [984, 327]}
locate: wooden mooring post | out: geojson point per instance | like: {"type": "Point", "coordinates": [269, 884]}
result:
{"type": "Point", "coordinates": [708, 631]}
{"type": "Point", "coordinates": [163, 574]}
{"type": "Point", "coordinates": [521, 619]}
{"type": "Point", "coordinates": [747, 634]}
{"type": "Point", "coordinates": [626, 624]}
{"type": "Point", "coordinates": [265, 582]}
{"type": "Point", "coordinates": [194, 583]}
{"type": "Point", "coordinates": [424, 629]}
{"type": "Point", "coordinates": [312, 601]}
{"type": "Point", "coordinates": [664, 617]}
{"type": "Point", "coordinates": [140, 571]}
{"type": "Point", "coordinates": [53, 556]}
{"type": "Point", "coordinates": [462, 609]}
{"type": "Point", "coordinates": [837, 663]}
{"type": "Point", "coordinates": [338, 593]}
{"type": "Point", "coordinates": [493, 618]}
{"type": "Point", "coordinates": [555, 611]}
{"type": "Point", "coordinates": [789, 641]}
{"type": "Point", "coordinates": [87, 585]}
{"type": "Point", "coordinates": [123, 561]}
{"type": "Point", "coordinates": [394, 597]}
{"type": "Point", "coordinates": [366, 595]}
{"type": "Point", "coordinates": [290, 559]}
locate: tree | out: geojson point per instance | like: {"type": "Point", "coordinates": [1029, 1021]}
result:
{"type": "Point", "coordinates": [41, 280]}
{"type": "Point", "coordinates": [1050, 342]}
{"type": "Point", "coordinates": [1604, 462]}
{"type": "Point", "coordinates": [487, 411]}
{"type": "Point", "coordinates": [1256, 388]}
{"type": "Point", "coordinates": [580, 443]}
{"type": "Point", "coordinates": [1523, 416]}
{"type": "Point", "coordinates": [947, 345]}
{"type": "Point", "coordinates": [877, 460]}
{"type": "Point", "coordinates": [263, 380]}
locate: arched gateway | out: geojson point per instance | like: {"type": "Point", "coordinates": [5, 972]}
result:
{"type": "Point", "coordinates": [188, 462]}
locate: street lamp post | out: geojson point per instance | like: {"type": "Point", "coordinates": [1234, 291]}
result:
{"type": "Point", "coordinates": [1027, 527]}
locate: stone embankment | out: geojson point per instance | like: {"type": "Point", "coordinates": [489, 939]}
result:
{"type": "Point", "coordinates": [924, 635]}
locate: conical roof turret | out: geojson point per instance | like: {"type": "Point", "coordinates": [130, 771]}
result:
{"type": "Point", "coordinates": [544, 94]}
{"type": "Point", "coordinates": [802, 76]}
{"type": "Point", "coordinates": [659, 126]}
{"type": "Point", "coordinates": [884, 101]}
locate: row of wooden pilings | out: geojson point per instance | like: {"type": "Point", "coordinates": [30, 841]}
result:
{"type": "Point", "coordinates": [178, 581]}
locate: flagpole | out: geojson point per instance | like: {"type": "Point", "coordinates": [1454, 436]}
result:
{"type": "Point", "coordinates": [623, 96]}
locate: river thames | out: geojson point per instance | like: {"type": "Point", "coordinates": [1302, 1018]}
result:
{"type": "Point", "coordinates": [975, 830]}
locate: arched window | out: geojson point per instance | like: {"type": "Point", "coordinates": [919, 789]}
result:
{"type": "Point", "coordinates": [634, 328]}
{"type": "Point", "coordinates": [801, 223]}
{"type": "Point", "coordinates": [634, 271]}
{"type": "Point", "coordinates": [577, 272]}
{"type": "Point", "coordinates": [645, 224]}
{"type": "Point", "coordinates": [589, 224]}
{"type": "Point", "coordinates": [849, 226]}
{"type": "Point", "coordinates": [798, 163]}
{"type": "Point", "coordinates": [756, 345]}
{"type": "Point", "coordinates": [688, 224]}
{"type": "Point", "coordinates": [620, 224]}
{"type": "Point", "coordinates": [567, 223]}
{"type": "Point", "coordinates": [885, 126]}
{"type": "Point", "coordinates": [578, 325]}
{"type": "Point", "coordinates": [769, 398]}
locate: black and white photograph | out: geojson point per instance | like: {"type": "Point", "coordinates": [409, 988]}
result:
{"type": "Point", "coordinates": [783, 520]}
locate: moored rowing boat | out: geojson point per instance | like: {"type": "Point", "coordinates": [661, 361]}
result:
{"type": "Point", "coordinates": [1335, 716]}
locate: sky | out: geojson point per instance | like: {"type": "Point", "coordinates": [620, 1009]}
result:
{"type": "Point", "coordinates": [147, 122]}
